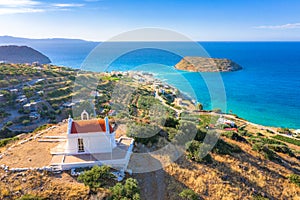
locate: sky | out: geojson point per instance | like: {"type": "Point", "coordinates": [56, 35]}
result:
{"type": "Point", "coordinates": [201, 20]}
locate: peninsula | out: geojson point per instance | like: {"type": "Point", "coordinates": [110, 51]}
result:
{"type": "Point", "coordinates": [21, 55]}
{"type": "Point", "coordinates": [201, 64]}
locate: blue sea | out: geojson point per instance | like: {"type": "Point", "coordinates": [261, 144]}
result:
{"type": "Point", "coordinates": [266, 91]}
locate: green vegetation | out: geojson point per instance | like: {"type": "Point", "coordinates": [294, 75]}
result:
{"type": "Point", "coordinates": [259, 197]}
{"type": "Point", "coordinates": [96, 177]}
{"type": "Point", "coordinates": [206, 120]}
{"type": "Point", "coordinates": [30, 197]}
{"type": "Point", "coordinates": [60, 92]}
{"type": "Point", "coordinates": [234, 136]}
{"type": "Point", "coordinates": [3, 114]}
{"type": "Point", "coordinates": [197, 152]}
{"type": "Point", "coordinates": [26, 122]}
{"type": "Point", "coordinates": [287, 139]}
{"type": "Point", "coordinates": [189, 194]}
{"type": "Point", "coordinates": [129, 190]}
{"type": "Point", "coordinates": [225, 148]}
{"type": "Point", "coordinates": [40, 128]}
{"type": "Point", "coordinates": [99, 176]}
{"type": "Point", "coordinates": [143, 133]}
{"type": "Point", "coordinates": [294, 178]}
{"type": "Point", "coordinates": [4, 142]}
{"type": "Point", "coordinates": [268, 147]}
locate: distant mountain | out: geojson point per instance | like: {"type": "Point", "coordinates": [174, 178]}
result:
{"type": "Point", "coordinates": [62, 52]}
{"type": "Point", "coordinates": [22, 54]}
{"type": "Point", "coordinates": [18, 40]}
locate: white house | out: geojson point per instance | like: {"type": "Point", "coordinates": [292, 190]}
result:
{"type": "Point", "coordinates": [90, 142]}
{"type": "Point", "coordinates": [89, 136]}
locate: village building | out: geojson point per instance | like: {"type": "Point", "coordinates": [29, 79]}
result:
{"type": "Point", "coordinates": [33, 116]}
{"type": "Point", "coordinates": [112, 113]}
{"type": "Point", "coordinates": [33, 106]}
{"type": "Point", "coordinates": [68, 105]}
{"type": "Point", "coordinates": [224, 121]}
{"type": "Point", "coordinates": [14, 91]}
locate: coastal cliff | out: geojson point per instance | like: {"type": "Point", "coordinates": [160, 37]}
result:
{"type": "Point", "coordinates": [22, 54]}
{"type": "Point", "coordinates": [200, 64]}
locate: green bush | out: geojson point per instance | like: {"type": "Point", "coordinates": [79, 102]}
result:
{"type": "Point", "coordinates": [25, 122]}
{"type": "Point", "coordinates": [281, 149]}
{"type": "Point", "coordinates": [96, 177]}
{"type": "Point", "coordinates": [30, 197]}
{"type": "Point", "coordinates": [269, 154]}
{"type": "Point", "coordinates": [287, 139]}
{"type": "Point", "coordinates": [129, 190]}
{"type": "Point", "coordinates": [201, 134]}
{"type": "Point", "coordinates": [171, 122]}
{"type": "Point", "coordinates": [234, 136]}
{"type": "Point", "coordinates": [225, 148]}
{"type": "Point", "coordinates": [294, 178]}
{"type": "Point", "coordinates": [4, 142]}
{"type": "Point", "coordinates": [259, 197]}
{"type": "Point", "coordinates": [9, 123]}
{"type": "Point", "coordinates": [197, 152]}
{"type": "Point", "coordinates": [143, 133]}
{"type": "Point", "coordinates": [189, 194]}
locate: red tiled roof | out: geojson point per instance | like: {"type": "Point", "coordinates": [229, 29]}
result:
{"type": "Point", "coordinates": [89, 126]}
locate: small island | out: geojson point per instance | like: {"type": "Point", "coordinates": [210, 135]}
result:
{"type": "Point", "coordinates": [201, 64]}
{"type": "Point", "coordinates": [22, 55]}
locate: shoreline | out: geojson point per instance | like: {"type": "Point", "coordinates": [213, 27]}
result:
{"type": "Point", "coordinates": [186, 96]}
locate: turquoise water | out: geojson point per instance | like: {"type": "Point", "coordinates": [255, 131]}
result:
{"type": "Point", "coordinates": [266, 91]}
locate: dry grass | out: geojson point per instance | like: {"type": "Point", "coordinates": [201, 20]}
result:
{"type": "Point", "coordinates": [31, 153]}
{"type": "Point", "coordinates": [234, 177]}
{"type": "Point", "coordinates": [42, 184]}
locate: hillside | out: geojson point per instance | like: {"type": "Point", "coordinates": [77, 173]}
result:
{"type": "Point", "coordinates": [247, 162]}
{"type": "Point", "coordinates": [22, 54]}
{"type": "Point", "coordinates": [200, 64]}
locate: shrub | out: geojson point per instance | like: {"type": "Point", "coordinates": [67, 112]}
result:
{"type": "Point", "coordinates": [269, 154]}
{"type": "Point", "coordinates": [234, 136]}
{"type": "Point", "coordinates": [171, 122]}
{"type": "Point", "coordinates": [25, 122]}
{"type": "Point", "coordinates": [281, 149]}
{"type": "Point", "coordinates": [143, 133]}
{"type": "Point", "coordinates": [96, 177]}
{"type": "Point", "coordinates": [9, 123]}
{"type": "Point", "coordinates": [201, 134]}
{"type": "Point", "coordinates": [259, 197]}
{"type": "Point", "coordinates": [42, 127]}
{"type": "Point", "coordinates": [225, 148]}
{"type": "Point", "coordinates": [189, 194]}
{"type": "Point", "coordinates": [294, 178]}
{"type": "Point", "coordinates": [197, 152]}
{"type": "Point", "coordinates": [5, 141]}
{"type": "Point", "coordinates": [257, 146]}
{"type": "Point", "coordinates": [30, 197]}
{"type": "Point", "coordinates": [287, 139]}
{"type": "Point", "coordinates": [129, 190]}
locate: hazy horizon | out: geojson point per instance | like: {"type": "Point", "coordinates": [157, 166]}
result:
{"type": "Point", "coordinates": [99, 20]}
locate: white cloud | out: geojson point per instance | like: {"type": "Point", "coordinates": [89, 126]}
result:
{"type": "Point", "coordinates": [18, 3]}
{"type": "Point", "coordinates": [33, 6]}
{"type": "Point", "coordinates": [6, 11]}
{"type": "Point", "coordinates": [283, 26]}
{"type": "Point", "coordinates": [67, 5]}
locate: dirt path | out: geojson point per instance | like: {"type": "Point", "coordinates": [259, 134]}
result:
{"type": "Point", "coordinates": [152, 185]}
